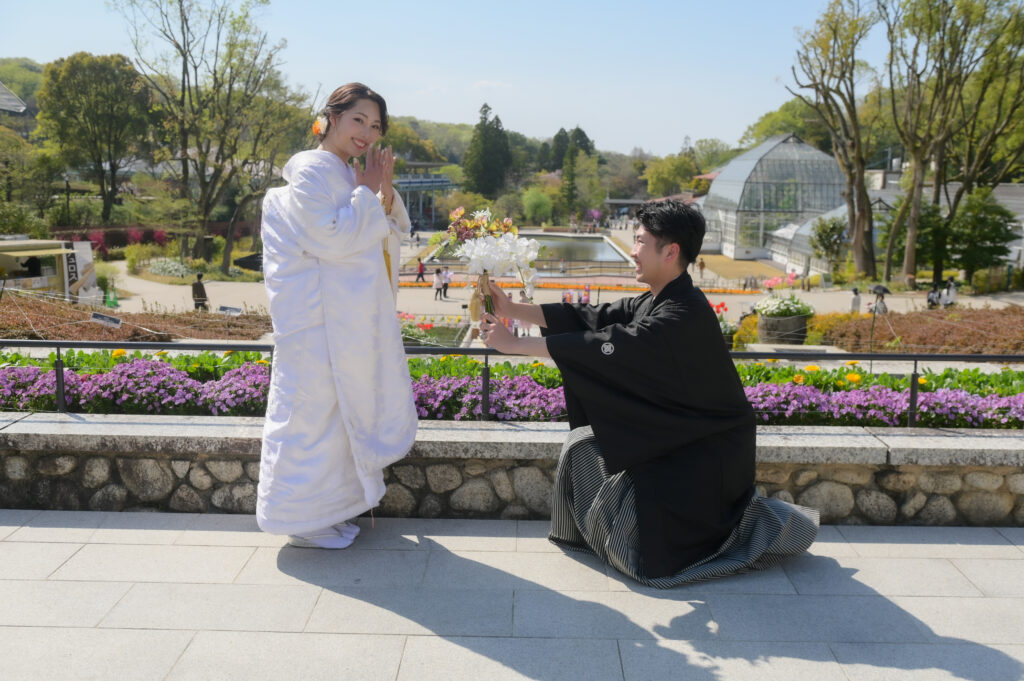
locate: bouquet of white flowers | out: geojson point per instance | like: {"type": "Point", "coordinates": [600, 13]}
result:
{"type": "Point", "coordinates": [493, 248]}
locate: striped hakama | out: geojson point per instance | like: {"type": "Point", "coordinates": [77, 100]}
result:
{"type": "Point", "coordinates": [595, 512]}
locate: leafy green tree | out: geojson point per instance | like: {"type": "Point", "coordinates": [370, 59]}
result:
{"type": "Point", "coordinates": [980, 232]}
{"type": "Point", "coordinates": [14, 154]}
{"type": "Point", "coordinates": [793, 117]}
{"type": "Point", "coordinates": [488, 157]}
{"type": "Point", "coordinates": [409, 146]}
{"type": "Point", "coordinates": [97, 110]}
{"type": "Point", "coordinates": [450, 139]}
{"type": "Point", "coordinates": [590, 185]}
{"type": "Point", "coordinates": [218, 88]}
{"type": "Point", "coordinates": [544, 156]}
{"type": "Point", "coordinates": [711, 153]}
{"type": "Point", "coordinates": [582, 142]}
{"type": "Point", "coordinates": [559, 144]}
{"type": "Point", "coordinates": [537, 205]}
{"type": "Point", "coordinates": [23, 77]}
{"type": "Point", "coordinates": [828, 239]}
{"type": "Point", "coordinates": [669, 175]}
{"type": "Point", "coordinates": [509, 206]}
{"type": "Point", "coordinates": [568, 191]}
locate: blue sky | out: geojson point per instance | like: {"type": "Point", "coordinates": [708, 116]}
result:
{"type": "Point", "coordinates": [632, 74]}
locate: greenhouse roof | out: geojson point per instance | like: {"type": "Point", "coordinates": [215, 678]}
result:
{"type": "Point", "coordinates": [783, 158]}
{"type": "Point", "coordinates": [10, 101]}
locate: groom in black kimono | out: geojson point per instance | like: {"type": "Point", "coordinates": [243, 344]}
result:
{"type": "Point", "coordinates": [657, 475]}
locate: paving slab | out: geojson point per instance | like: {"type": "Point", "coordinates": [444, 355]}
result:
{"type": "Point", "coordinates": [58, 526]}
{"type": "Point", "coordinates": [994, 577]}
{"type": "Point", "coordinates": [142, 563]}
{"type": "Point", "coordinates": [712, 660]}
{"type": "Point", "coordinates": [49, 653]}
{"type": "Point", "coordinates": [229, 607]}
{"type": "Point", "coordinates": [982, 620]}
{"type": "Point", "coordinates": [532, 537]}
{"type": "Point", "coordinates": [453, 611]}
{"type": "Point", "coordinates": [12, 520]}
{"type": "Point", "coordinates": [291, 565]}
{"type": "Point", "coordinates": [141, 528]}
{"type": "Point", "coordinates": [771, 581]}
{"type": "Point", "coordinates": [936, 662]}
{"type": "Point", "coordinates": [244, 656]}
{"type": "Point", "coordinates": [907, 541]}
{"type": "Point", "coordinates": [606, 614]}
{"type": "Point", "coordinates": [951, 446]}
{"type": "Point", "coordinates": [57, 604]}
{"type": "Point", "coordinates": [227, 529]}
{"type": "Point", "coordinates": [887, 576]}
{"type": "Point", "coordinates": [861, 619]}
{"type": "Point", "coordinates": [509, 659]}
{"type": "Point", "coordinates": [28, 560]}
{"type": "Point", "coordinates": [516, 570]}
{"type": "Point", "coordinates": [421, 534]}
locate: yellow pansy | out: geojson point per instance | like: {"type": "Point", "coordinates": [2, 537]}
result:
{"type": "Point", "coordinates": [228, 352]}
{"type": "Point", "coordinates": [853, 378]}
{"type": "Point", "coordinates": [851, 362]}
{"type": "Point", "coordinates": [922, 380]}
{"type": "Point", "coordinates": [799, 378]}
{"type": "Point", "coordinates": [759, 364]}
{"type": "Point", "coordinates": [537, 364]}
{"type": "Point", "coordinates": [161, 353]}
{"type": "Point", "coordinates": [119, 353]}
{"type": "Point", "coordinates": [840, 384]}
{"type": "Point", "coordinates": [262, 361]}
{"type": "Point", "coordinates": [812, 367]}
{"type": "Point", "coordinates": [773, 360]}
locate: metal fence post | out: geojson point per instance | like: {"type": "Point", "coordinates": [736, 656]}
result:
{"type": "Point", "coordinates": [485, 393]}
{"type": "Point", "coordinates": [912, 409]}
{"type": "Point", "coordinates": [58, 371]}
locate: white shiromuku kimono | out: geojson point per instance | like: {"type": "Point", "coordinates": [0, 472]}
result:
{"type": "Point", "coordinates": [340, 406]}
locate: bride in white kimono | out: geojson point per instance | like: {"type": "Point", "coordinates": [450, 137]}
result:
{"type": "Point", "coordinates": [340, 406]}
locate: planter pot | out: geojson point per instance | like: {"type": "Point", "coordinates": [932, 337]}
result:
{"type": "Point", "coordinates": [786, 330]}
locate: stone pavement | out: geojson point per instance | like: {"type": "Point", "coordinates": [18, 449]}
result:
{"type": "Point", "coordinates": [144, 596]}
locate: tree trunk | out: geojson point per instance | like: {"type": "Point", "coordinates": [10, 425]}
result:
{"type": "Point", "coordinates": [917, 165]}
{"type": "Point", "coordinates": [897, 225]}
{"type": "Point", "coordinates": [229, 238]}
{"type": "Point", "coordinates": [864, 242]}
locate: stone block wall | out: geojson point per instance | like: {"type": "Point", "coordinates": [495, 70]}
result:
{"type": "Point", "coordinates": [894, 495]}
{"type": "Point", "coordinates": [505, 488]}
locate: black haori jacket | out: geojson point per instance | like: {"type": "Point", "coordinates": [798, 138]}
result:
{"type": "Point", "coordinates": [653, 378]}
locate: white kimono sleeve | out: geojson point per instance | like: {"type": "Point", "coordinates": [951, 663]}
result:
{"type": "Point", "coordinates": [329, 232]}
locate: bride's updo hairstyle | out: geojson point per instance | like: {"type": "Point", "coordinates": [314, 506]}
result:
{"type": "Point", "coordinates": [344, 98]}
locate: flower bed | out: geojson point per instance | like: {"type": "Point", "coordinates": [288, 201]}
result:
{"type": "Point", "coordinates": [450, 389]}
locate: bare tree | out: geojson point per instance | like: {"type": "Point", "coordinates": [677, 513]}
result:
{"type": "Point", "coordinates": [827, 65]}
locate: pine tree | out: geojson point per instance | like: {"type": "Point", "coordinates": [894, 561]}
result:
{"type": "Point", "coordinates": [488, 157]}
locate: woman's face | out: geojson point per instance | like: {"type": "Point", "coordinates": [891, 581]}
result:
{"type": "Point", "coordinates": [354, 130]}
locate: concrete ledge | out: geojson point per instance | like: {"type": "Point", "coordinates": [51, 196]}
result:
{"type": "Point", "coordinates": [217, 437]}
{"type": "Point", "coordinates": [942, 446]}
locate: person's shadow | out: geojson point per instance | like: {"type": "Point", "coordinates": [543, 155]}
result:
{"type": "Point", "coordinates": [564, 622]}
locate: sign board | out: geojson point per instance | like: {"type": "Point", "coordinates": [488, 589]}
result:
{"type": "Point", "coordinates": [80, 273]}
{"type": "Point", "coordinates": [233, 311]}
{"type": "Point", "coordinates": [105, 320]}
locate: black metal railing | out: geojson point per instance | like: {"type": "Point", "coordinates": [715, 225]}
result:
{"type": "Point", "coordinates": [487, 353]}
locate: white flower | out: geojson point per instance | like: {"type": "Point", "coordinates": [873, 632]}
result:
{"type": "Point", "coordinates": [501, 256]}
{"type": "Point", "coordinates": [485, 214]}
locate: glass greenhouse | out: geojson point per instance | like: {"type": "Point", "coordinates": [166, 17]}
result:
{"type": "Point", "coordinates": [782, 181]}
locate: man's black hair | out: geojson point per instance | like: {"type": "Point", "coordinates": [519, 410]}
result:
{"type": "Point", "coordinates": [199, 276]}
{"type": "Point", "coordinates": [674, 222]}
